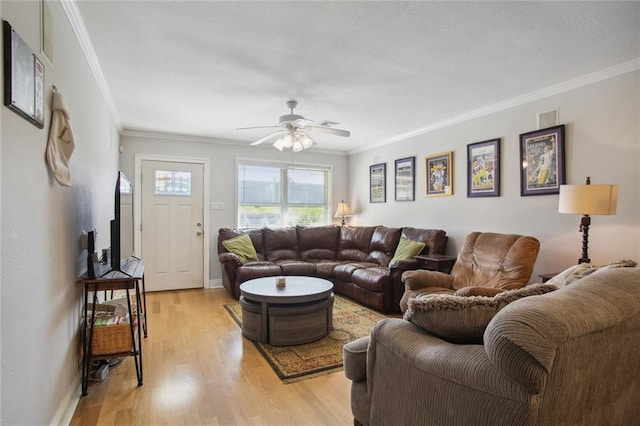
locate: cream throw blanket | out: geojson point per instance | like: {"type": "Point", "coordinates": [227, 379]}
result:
{"type": "Point", "coordinates": [60, 145]}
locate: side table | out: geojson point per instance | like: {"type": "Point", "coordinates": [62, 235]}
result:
{"type": "Point", "coordinates": [115, 280]}
{"type": "Point", "coordinates": [436, 262]}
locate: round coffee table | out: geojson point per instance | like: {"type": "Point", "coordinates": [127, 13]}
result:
{"type": "Point", "coordinates": [298, 313]}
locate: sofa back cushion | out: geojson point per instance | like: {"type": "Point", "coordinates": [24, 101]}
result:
{"type": "Point", "coordinates": [320, 242]}
{"type": "Point", "coordinates": [355, 242]}
{"type": "Point", "coordinates": [495, 260]}
{"type": "Point", "coordinates": [281, 244]}
{"type": "Point", "coordinates": [255, 235]}
{"type": "Point", "coordinates": [383, 245]}
{"type": "Point", "coordinates": [435, 240]}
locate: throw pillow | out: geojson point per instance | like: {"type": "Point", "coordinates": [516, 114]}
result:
{"type": "Point", "coordinates": [241, 246]}
{"type": "Point", "coordinates": [581, 270]}
{"type": "Point", "coordinates": [407, 249]}
{"type": "Point", "coordinates": [459, 319]}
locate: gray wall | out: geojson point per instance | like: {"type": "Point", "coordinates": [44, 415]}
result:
{"type": "Point", "coordinates": [602, 141]}
{"type": "Point", "coordinates": [41, 226]}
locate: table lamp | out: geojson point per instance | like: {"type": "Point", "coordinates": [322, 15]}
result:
{"type": "Point", "coordinates": [587, 200]}
{"type": "Point", "coordinates": [343, 211]}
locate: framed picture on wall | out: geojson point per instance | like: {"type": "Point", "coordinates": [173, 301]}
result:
{"type": "Point", "coordinates": [483, 169]}
{"type": "Point", "coordinates": [542, 161]}
{"type": "Point", "coordinates": [405, 179]}
{"type": "Point", "coordinates": [378, 183]}
{"type": "Point", "coordinates": [23, 78]}
{"type": "Point", "coordinates": [439, 174]}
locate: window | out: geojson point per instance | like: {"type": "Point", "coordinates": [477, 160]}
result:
{"type": "Point", "coordinates": [279, 195]}
{"type": "Point", "coordinates": [171, 182]}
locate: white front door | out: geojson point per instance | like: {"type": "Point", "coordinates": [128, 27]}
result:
{"type": "Point", "coordinates": [172, 224]}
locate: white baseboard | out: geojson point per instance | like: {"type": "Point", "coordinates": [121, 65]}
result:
{"type": "Point", "coordinates": [68, 407]}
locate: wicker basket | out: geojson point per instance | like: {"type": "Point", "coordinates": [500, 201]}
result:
{"type": "Point", "coordinates": [112, 339]}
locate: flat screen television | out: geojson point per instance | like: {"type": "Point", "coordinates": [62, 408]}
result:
{"type": "Point", "coordinates": [122, 224]}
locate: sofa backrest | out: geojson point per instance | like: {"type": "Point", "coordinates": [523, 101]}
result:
{"type": "Point", "coordinates": [318, 242]}
{"type": "Point", "coordinates": [575, 348]}
{"type": "Point", "coordinates": [383, 245]}
{"type": "Point", "coordinates": [435, 240]}
{"type": "Point", "coordinates": [281, 244]}
{"type": "Point", "coordinates": [355, 242]}
{"type": "Point", "coordinates": [495, 260]}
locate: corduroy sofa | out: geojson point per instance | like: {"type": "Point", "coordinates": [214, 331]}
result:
{"type": "Point", "coordinates": [567, 357]}
{"type": "Point", "coordinates": [356, 259]}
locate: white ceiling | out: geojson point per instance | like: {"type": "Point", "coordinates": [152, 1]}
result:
{"type": "Point", "coordinates": [383, 70]}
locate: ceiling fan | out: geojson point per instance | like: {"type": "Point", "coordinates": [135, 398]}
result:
{"type": "Point", "coordinates": [294, 130]}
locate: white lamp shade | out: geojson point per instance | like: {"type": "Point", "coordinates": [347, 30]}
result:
{"type": "Point", "coordinates": [343, 210]}
{"type": "Point", "coordinates": [588, 199]}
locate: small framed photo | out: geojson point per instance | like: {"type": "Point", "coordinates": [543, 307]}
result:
{"type": "Point", "coordinates": [542, 161]}
{"type": "Point", "coordinates": [439, 174]}
{"type": "Point", "coordinates": [405, 179]}
{"type": "Point", "coordinates": [23, 78]}
{"type": "Point", "coordinates": [378, 183]}
{"type": "Point", "coordinates": [483, 169]}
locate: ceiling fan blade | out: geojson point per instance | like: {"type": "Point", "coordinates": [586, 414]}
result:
{"type": "Point", "coordinates": [258, 127]}
{"type": "Point", "coordinates": [331, 130]}
{"type": "Point", "coordinates": [269, 136]}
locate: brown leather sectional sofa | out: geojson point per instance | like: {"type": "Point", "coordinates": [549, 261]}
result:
{"type": "Point", "coordinates": [355, 258]}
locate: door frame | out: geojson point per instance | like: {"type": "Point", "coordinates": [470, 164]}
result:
{"type": "Point", "coordinates": [137, 212]}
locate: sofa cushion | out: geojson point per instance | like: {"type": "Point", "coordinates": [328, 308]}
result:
{"type": "Point", "coordinates": [459, 319]}
{"type": "Point", "coordinates": [355, 242]}
{"type": "Point", "coordinates": [373, 279]}
{"type": "Point", "coordinates": [581, 270]}
{"type": "Point", "coordinates": [242, 247]}
{"type": "Point", "coordinates": [281, 244]}
{"type": "Point", "coordinates": [383, 244]}
{"type": "Point", "coordinates": [407, 249]}
{"type": "Point", "coordinates": [320, 242]}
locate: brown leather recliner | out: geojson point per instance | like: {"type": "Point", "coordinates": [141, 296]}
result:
{"type": "Point", "coordinates": [488, 263]}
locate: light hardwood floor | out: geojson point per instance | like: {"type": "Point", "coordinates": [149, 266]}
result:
{"type": "Point", "coordinates": [198, 369]}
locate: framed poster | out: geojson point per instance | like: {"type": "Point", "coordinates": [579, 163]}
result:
{"type": "Point", "coordinates": [439, 174]}
{"type": "Point", "coordinates": [542, 161]}
{"type": "Point", "coordinates": [23, 78]}
{"type": "Point", "coordinates": [405, 179]}
{"type": "Point", "coordinates": [483, 169]}
{"type": "Point", "coordinates": [378, 183]}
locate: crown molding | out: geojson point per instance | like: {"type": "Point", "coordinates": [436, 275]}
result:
{"type": "Point", "coordinates": [80, 30]}
{"type": "Point", "coordinates": [605, 74]}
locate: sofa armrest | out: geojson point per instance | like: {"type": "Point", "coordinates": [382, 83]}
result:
{"type": "Point", "coordinates": [230, 258]}
{"type": "Point", "coordinates": [421, 278]}
{"type": "Point", "coordinates": [403, 265]}
{"type": "Point", "coordinates": [354, 359]}
{"type": "Point", "coordinates": [478, 291]}
{"type": "Point", "coordinates": [433, 362]}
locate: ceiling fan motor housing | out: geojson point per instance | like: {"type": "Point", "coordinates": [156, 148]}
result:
{"type": "Point", "coordinates": [288, 118]}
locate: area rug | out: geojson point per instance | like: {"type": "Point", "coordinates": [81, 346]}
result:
{"type": "Point", "coordinates": [292, 363]}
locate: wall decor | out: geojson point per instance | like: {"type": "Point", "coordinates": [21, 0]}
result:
{"type": "Point", "coordinates": [23, 78]}
{"type": "Point", "coordinates": [542, 161]}
{"type": "Point", "coordinates": [439, 174]}
{"type": "Point", "coordinates": [483, 169]}
{"type": "Point", "coordinates": [378, 183]}
{"type": "Point", "coordinates": [405, 179]}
